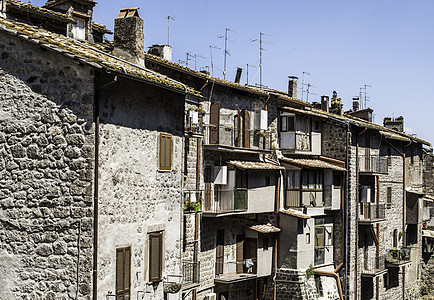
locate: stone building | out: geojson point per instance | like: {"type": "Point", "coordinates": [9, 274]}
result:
{"type": "Point", "coordinates": [92, 163]}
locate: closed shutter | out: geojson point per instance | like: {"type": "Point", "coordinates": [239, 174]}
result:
{"type": "Point", "coordinates": [123, 273]}
{"type": "Point", "coordinates": [155, 256]}
{"type": "Point", "coordinates": [246, 129]}
{"type": "Point", "coordinates": [214, 122]}
{"type": "Point", "coordinates": [389, 196]}
{"type": "Point", "coordinates": [165, 151]}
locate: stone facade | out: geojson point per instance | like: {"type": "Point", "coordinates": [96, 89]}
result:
{"type": "Point", "coordinates": [47, 146]}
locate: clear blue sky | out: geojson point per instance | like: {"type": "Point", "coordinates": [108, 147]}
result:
{"type": "Point", "coordinates": [343, 44]}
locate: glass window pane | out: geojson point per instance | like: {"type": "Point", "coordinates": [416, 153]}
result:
{"type": "Point", "coordinates": [296, 179]}
{"type": "Point", "coordinates": [283, 124]}
{"type": "Point", "coordinates": [168, 150]}
{"type": "Point", "coordinates": [290, 179]}
{"type": "Point", "coordinates": [291, 123]}
{"type": "Point", "coordinates": [311, 180]}
{"type": "Point", "coordinates": [305, 180]}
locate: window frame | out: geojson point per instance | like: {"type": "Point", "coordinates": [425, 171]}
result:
{"type": "Point", "coordinates": [389, 197]}
{"type": "Point", "coordinates": [285, 123]}
{"type": "Point", "coordinates": [159, 235]}
{"type": "Point", "coordinates": [165, 138]}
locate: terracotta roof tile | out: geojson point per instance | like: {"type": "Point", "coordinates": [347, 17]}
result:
{"type": "Point", "coordinates": [253, 165]}
{"type": "Point", "coordinates": [294, 213]}
{"type": "Point", "coordinates": [311, 163]}
{"type": "Point", "coordinates": [38, 10]}
{"type": "Point", "coordinates": [266, 228]}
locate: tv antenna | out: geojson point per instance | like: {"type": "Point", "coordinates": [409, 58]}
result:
{"type": "Point", "coordinates": [226, 48]}
{"type": "Point", "coordinates": [302, 84]}
{"type": "Point", "coordinates": [212, 63]}
{"type": "Point", "coordinates": [195, 59]}
{"type": "Point", "coordinates": [260, 53]}
{"type": "Point", "coordinates": [168, 28]}
{"type": "Point", "coordinates": [364, 92]}
{"type": "Point", "coordinates": [309, 92]}
{"type": "Point", "coordinates": [247, 69]}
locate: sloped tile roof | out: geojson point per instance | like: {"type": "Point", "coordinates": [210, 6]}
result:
{"type": "Point", "coordinates": [38, 10]}
{"type": "Point", "coordinates": [294, 213]}
{"type": "Point", "coordinates": [100, 28]}
{"type": "Point", "coordinates": [311, 163]}
{"type": "Point", "coordinates": [88, 53]}
{"type": "Point", "coordinates": [266, 228]}
{"type": "Point", "coordinates": [253, 165]}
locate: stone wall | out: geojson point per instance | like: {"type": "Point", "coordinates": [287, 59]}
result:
{"type": "Point", "coordinates": [334, 141]}
{"type": "Point", "coordinates": [46, 163]}
{"type": "Point", "coordinates": [136, 198]}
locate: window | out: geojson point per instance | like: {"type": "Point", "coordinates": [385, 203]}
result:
{"type": "Point", "coordinates": [123, 272]}
{"type": "Point", "coordinates": [287, 123]}
{"type": "Point", "coordinates": [389, 197]}
{"type": "Point", "coordinates": [79, 29]}
{"type": "Point", "coordinates": [316, 124]}
{"type": "Point", "coordinates": [165, 151]}
{"type": "Point", "coordinates": [389, 156]}
{"type": "Point", "coordinates": [337, 180]}
{"type": "Point", "coordinates": [308, 238]}
{"type": "Point", "coordinates": [155, 256]}
{"type": "Point", "coordinates": [312, 180]}
{"type": "Point", "coordinates": [395, 239]}
{"type": "Point", "coordinates": [293, 180]}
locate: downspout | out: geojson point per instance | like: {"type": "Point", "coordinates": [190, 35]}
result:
{"type": "Point", "coordinates": [377, 279]}
{"type": "Point", "coordinates": [357, 212]}
{"type": "Point", "coordinates": [276, 238]}
{"type": "Point", "coordinates": [346, 210]}
{"type": "Point", "coordinates": [404, 215]}
{"type": "Point", "coordinates": [95, 193]}
{"type": "Point", "coordinates": [334, 275]}
{"type": "Point", "coordinates": [196, 216]}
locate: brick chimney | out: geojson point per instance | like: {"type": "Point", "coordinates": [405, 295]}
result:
{"type": "Point", "coordinates": [395, 124]}
{"type": "Point", "coordinates": [292, 86]}
{"type": "Point", "coordinates": [356, 104]}
{"type": "Point", "coordinates": [129, 36]}
{"type": "Point", "coordinates": [325, 103]}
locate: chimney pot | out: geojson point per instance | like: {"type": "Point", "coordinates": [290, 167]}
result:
{"type": "Point", "coordinates": [238, 75]}
{"type": "Point", "coordinates": [325, 103]}
{"type": "Point", "coordinates": [163, 51]}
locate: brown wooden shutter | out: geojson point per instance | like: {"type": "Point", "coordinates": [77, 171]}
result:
{"type": "Point", "coordinates": [238, 129]}
{"type": "Point", "coordinates": [165, 151]}
{"type": "Point", "coordinates": [240, 253]}
{"type": "Point", "coordinates": [246, 129]}
{"type": "Point", "coordinates": [123, 273]}
{"type": "Point", "coordinates": [155, 256]}
{"type": "Point", "coordinates": [214, 122]}
{"type": "Point", "coordinates": [389, 196]}
{"type": "Point", "coordinates": [220, 251]}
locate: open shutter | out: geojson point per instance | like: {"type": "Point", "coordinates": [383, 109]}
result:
{"type": "Point", "coordinates": [123, 273]}
{"type": "Point", "coordinates": [214, 122]}
{"type": "Point", "coordinates": [155, 256]}
{"type": "Point", "coordinates": [240, 253]}
{"type": "Point", "coordinates": [246, 129]}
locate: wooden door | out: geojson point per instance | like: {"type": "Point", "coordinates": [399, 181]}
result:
{"type": "Point", "coordinates": [214, 122]}
{"type": "Point", "coordinates": [220, 251]}
{"type": "Point", "coordinates": [240, 253]}
{"type": "Point", "coordinates": [250, 252]}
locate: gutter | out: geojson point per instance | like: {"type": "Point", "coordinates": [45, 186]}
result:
{"type": "Point", "coordinates": [276, 238]}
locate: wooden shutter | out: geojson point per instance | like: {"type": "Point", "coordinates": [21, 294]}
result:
{"type": "Point", "coordinates": [220, 251]}
{"type": "Point", "coordinates": [237, 131]}
{"type": "Point", "coordinates": [389, 196]}
{"type": "Point", "coordinates": [155, 256]}
{"type": "Point", "coordinates": [214, 122]}
{"type": "Point", "coordinates": [246, 129]}
{"type": "Point", "coordinates": [165, 151]}
{"type": "Point", "coordinates": [123, 273]}
{"type": "Point", "coordinates": [240, 253]}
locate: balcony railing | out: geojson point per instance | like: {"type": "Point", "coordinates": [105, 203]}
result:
{"type": "Point", "coordinates": [249, 265]}
{"type": "Point", "coordinates": [193, 122]}
{"type": "Point", "coordinates": [190, 272]}
{"type": "Point", "coordinates": [371, 212]}
{"type": "Point", "coordinates": [374, 265]}
{"type": "Point", "coordinates": [373, 163]}
{"type": "Point", "coordinates": [398, 256]}
{"type": "Point", "coordinates": [296, 140]}
{"type": "Point", "coordinates": [229, 136]}
{"type": "Point", "coordinates": [221, 201]}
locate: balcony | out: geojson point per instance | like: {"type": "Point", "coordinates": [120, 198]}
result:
{"type": "Point", "coordinates": [193, 123]}
{"type": "Point", "coordinates": [373, 164]}
{"type": "Point", "coordinates": [374, 266]}
{"type": "Point", "coordinates": [190, 272]}
{"type": "Point", "coordinates": [228, 136]}
{"type": "Point", "coordinates": [225, 201]}
{"type": "Point", "coordinates": [427, 213]}
{"type": "Point", "coordinates": [398, 257]}
{"type": "Point", "coordinates": [371, 213]}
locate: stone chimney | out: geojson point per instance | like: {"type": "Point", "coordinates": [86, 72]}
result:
{"type": "Point", "coordinates": [129, 36]}
{"type": "Point", "coordinates": [395, 124]}
{"type": "Point", "coordinates": [292, 86]}
{"type": "Point", "coordinates": [163, 51]}
{"type": "Point", "coordinates": [356, 104]}
{"type": "Point", "coordinates": [325, 103]}
{"type": "Point", "coordinates": [238, 75]}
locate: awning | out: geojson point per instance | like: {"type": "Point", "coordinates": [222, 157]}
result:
{"type": "Point", "coordinates": [428, 233]}
{"type": "Point", "coordinates": [294, 213]}
{"type": "Point", "coordinates": [253, 165]}
{"type": "Point", "coordinates": [311, 163]}
{"type": "Point", "coordinates": [266, 228]}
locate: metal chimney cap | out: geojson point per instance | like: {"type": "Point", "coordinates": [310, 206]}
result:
{"type": "Point", "coordinates": [293, 77]}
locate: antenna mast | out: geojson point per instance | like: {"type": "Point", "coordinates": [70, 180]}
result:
{"type": "Point", "coordinates": [302, 84]}
{"type": "Point", "coordinates": [168, 29]}
{"type": "Point", "coordinates": [363, 90]}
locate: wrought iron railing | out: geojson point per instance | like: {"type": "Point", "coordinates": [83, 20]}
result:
{"type": "Point", "coordinates": [190, 272]}
{"type": "Point", "coordinates": [373, 163]}
{"type": "Point", "coordinates": [374, 265]}
{"type": "Point", "coordinates": [398, 256]}
{"type": "Point", "coordinates": [220, 201]}
{"type": "Point", "coordinates": [193, 122]}
{"type": "Point", "coordinates": [371, 212]}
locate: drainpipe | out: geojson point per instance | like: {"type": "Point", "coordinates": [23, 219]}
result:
{"type": "Point", "coordinates": [334, 275]}
{"type": "Point", "coordinates": [345, 211]}
{"type": "Point", "coordinates": [196, 216]}
{"type": "Point", "coordinates": [276, 238]}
